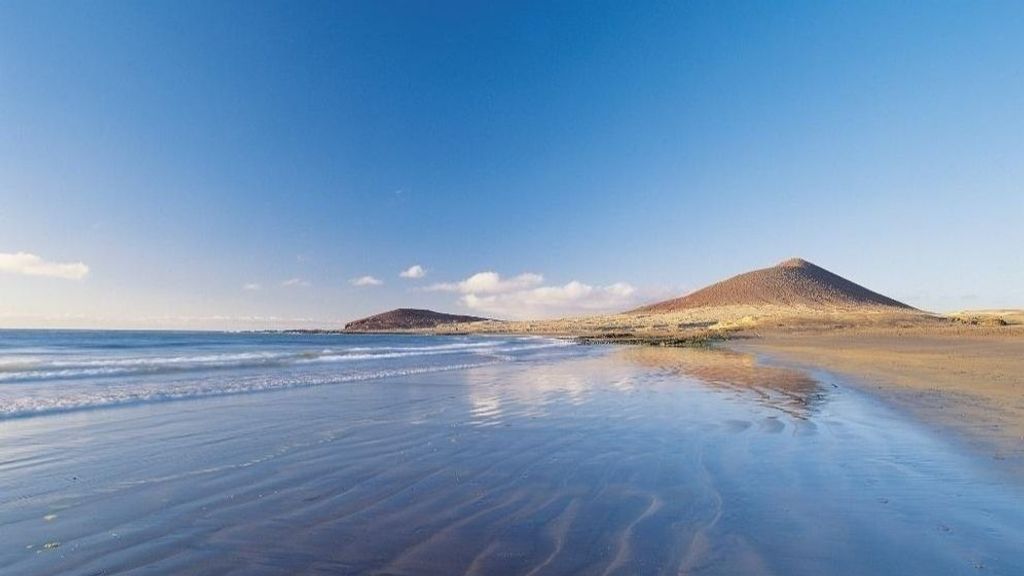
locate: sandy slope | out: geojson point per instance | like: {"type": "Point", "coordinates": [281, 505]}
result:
{"type": "Point", "coordinates": [793, 283]}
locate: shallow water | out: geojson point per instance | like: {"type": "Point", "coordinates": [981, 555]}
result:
{"type": "Point", "coordinates": [45, 371]}
{"type": "Point", "coordinates": [546, 460]}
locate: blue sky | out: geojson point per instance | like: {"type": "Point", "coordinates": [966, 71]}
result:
{"type": "Point", "coordinates": [239, 164]}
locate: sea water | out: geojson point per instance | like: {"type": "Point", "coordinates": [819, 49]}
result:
{"type": "Point", "coordinates": [43, 371]}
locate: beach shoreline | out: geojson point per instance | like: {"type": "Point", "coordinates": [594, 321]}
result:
{"type": "Point", "coordinates": [962, 372]}
{"type": "Point", "coordinates": [969, 384]}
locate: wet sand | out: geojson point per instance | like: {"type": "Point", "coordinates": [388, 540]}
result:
{"type": "Point", "coordinates": [970, 381]}
{"type": "Point", "coordinates": [614, 461]}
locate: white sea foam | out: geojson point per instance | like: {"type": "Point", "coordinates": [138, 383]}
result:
{"type": "Point", "coordinates": [13, 370]}
{"type": "Point", "coordinates": [137, 394]}
{"type": "Point", "coordinates": [65, 378]}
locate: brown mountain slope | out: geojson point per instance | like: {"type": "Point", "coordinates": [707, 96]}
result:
{"type": "Point", "coordinates": [795, 282]}
{"type": "Point", "coordinates": [406, 319]}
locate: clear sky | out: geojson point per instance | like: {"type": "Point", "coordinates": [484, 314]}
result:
{"type": "Point", "coordinates": [268, 164]}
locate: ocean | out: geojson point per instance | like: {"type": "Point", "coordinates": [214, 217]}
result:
{"type": "Point", "coordinates": [44, 371]}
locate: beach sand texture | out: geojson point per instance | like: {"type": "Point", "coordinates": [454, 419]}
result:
{"type": "Point", "coordinates": [971, 381]}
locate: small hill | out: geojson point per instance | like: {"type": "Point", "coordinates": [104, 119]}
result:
{"type": "Point", "coordinates": [793, 283]}
{"type": "Point", "coordinates": [407, 319]}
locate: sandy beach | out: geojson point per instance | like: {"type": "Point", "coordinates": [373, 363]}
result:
{"type": "Point", "coordinates": [962, 372]}
{"type": "Point", "coordinates": [967, 379]}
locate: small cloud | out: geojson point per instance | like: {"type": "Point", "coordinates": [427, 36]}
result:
{"type": "Point", "coordinates": [490, 283]}
{"type": "Point", "coordinates": [365, 281]}
{"type": "Point", "coordinates": [525, 296]}
{"type": "Point", "coordinates": [413, 272]}
{"type": "Point", "coordinates": [295, 283]}
{"type": "Point", "coordinates": [544, 301]}
{"type": "Point", "coordinates": [31, 265]}
{"type": "Point", "coordinates": [252, 286]}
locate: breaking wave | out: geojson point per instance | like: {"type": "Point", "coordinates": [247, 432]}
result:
{"type": "Point", "coordinates": [39, 380]}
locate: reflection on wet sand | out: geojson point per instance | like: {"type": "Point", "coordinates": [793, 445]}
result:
{"type": "Point", "coordinates": [611, 461]}
{"type": "Point", "coordinates": [789, 390]}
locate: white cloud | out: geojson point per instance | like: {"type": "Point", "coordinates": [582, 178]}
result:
{"type": "Point", "coordinates": [490, 283]}
{"type": "Point", "coordinates": [252, 286]}
{"type": "Point", "coordinates": [295, 283]}
{"type": "Point", "coordinates": [415, 271]}
{"type": "Point", "coordinates": [525, 296]}
{"type": "Point", "coordinates": [32, 265]}
{"type": "Point", "coordinates": [365, 281]}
